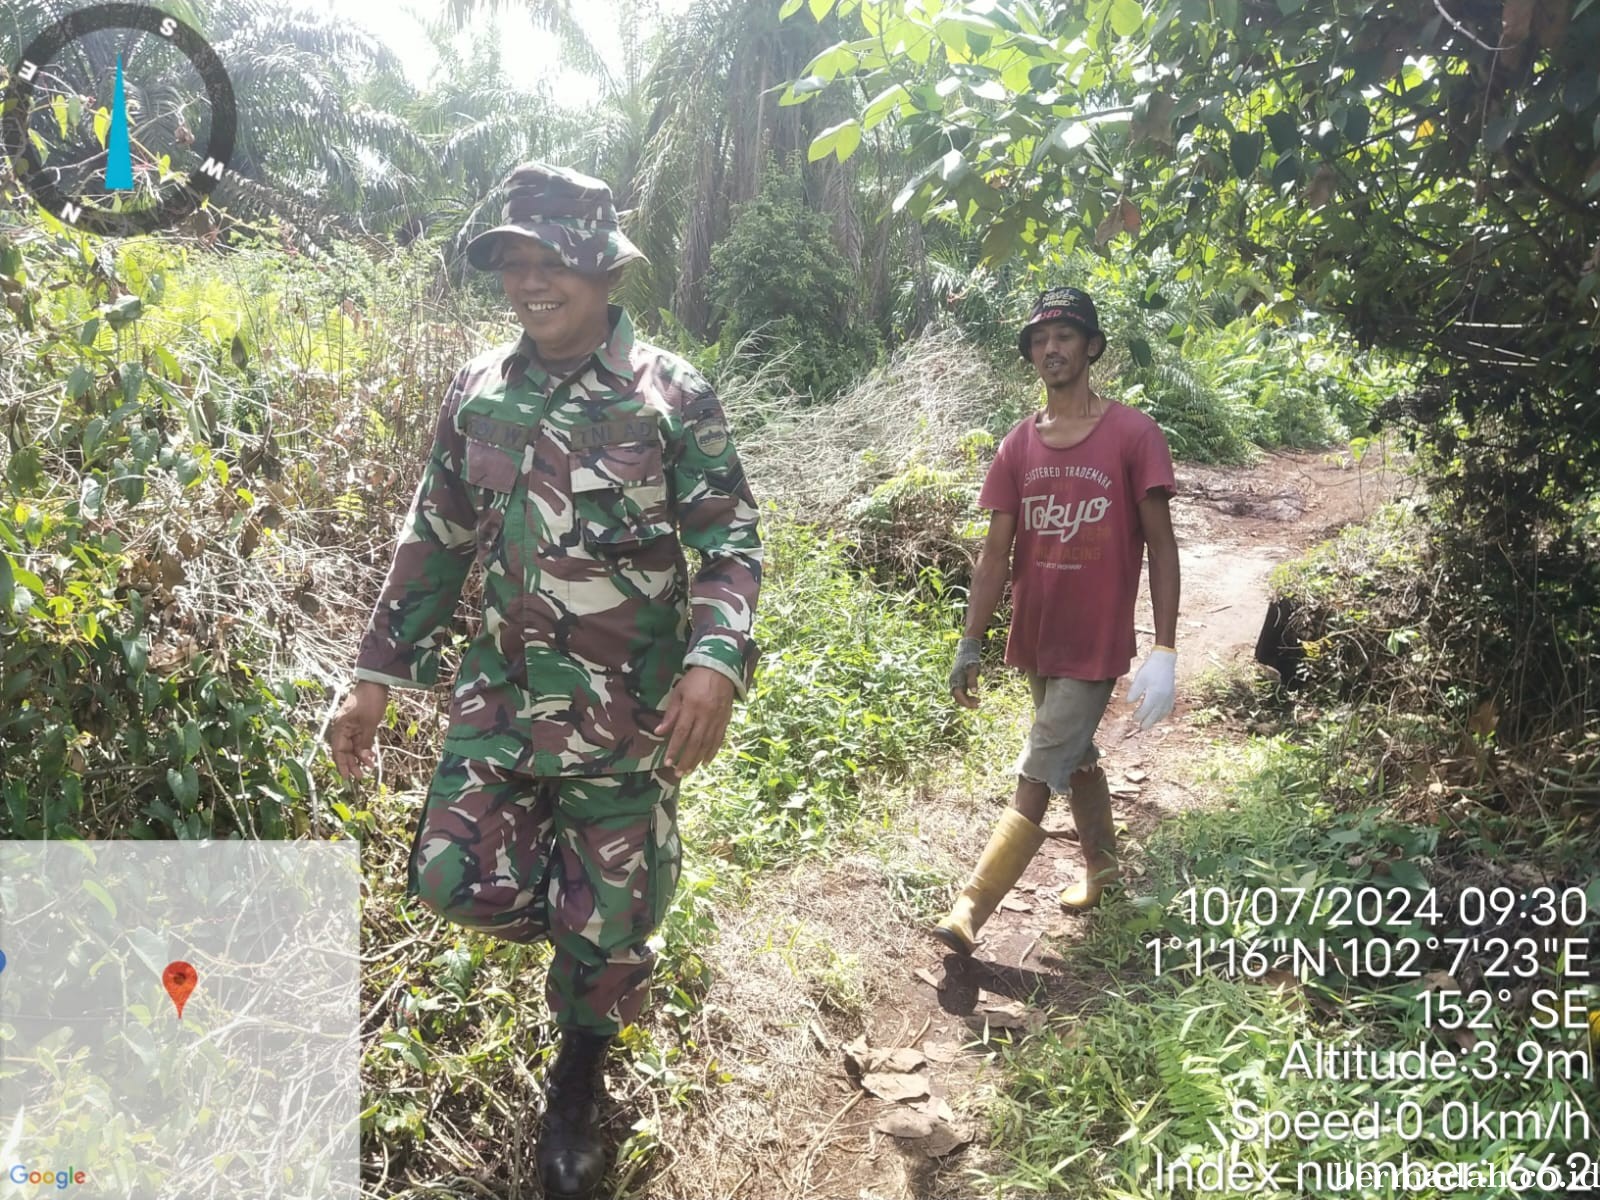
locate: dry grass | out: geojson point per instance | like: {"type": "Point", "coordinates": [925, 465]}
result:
{"type": "Point", "coordinates": [916, 408]}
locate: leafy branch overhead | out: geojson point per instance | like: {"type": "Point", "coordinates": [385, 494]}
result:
{"type": "Point", "coordinates": [1429, 170]}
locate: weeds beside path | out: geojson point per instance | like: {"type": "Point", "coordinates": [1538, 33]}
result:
{"type": "Point", "coordinates": [835, 949]}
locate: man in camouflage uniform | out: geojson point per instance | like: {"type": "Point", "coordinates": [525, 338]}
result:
{"type": "Point", "coordinates": [572, 466]}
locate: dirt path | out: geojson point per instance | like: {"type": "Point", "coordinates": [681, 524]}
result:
{"type": "Point", "coordinates": [791, 1121]}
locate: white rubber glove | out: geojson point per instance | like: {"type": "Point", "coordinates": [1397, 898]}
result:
{"type": "Point", "coordinates": [1155, 681]}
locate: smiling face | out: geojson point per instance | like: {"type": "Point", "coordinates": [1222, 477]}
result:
{"type": "Point", "coordinates": [1059, 351]}
{"type": "Point", "coordinates": [563, 310]}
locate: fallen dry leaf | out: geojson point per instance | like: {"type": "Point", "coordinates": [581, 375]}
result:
{"type": "Point", "coordinates": [1010, 1014]}
{"type": "Point", "coordinates": [1110, 227]}
{"type": "Point", "coordinates": [904, 1123]}
{"type": "Point", "coordinates": [904, 1059]}
{"type": "Point", "coordinates": [1011, 904]}
{"type": "Point", "coordinates": [942, 1141]}
{"type": "Point", "coordinates": [1484, 719]}
{"type": "Point", "coordinates": [1550, 22]}
{"type": "Point", "coordinates": [938, 1106]}
{"type": "Point", "coordinates": [927, 977]}
{"type": "Point", "coordinates": [1285, 982]}
{"type": "Point", "coordinates": [1131, 217]}
{"type": "Point", "coordinates": [890, 1086]}
{"type": "Point", "coordinates": [1516, 18]}
{"type": "Point", "coordinates": [1137, 775]}
{"type": "Point", "coordinates": [1320, 190]}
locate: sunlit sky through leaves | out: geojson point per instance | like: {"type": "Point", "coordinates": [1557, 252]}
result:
{"type": "Point", "coordinates": [535, 51]}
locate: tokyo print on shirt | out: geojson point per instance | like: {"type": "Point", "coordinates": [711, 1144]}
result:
{"type": "Point", "coordinates": [1079, 547]}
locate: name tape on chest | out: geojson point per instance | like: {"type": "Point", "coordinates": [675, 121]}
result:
{"type": "Point", "coordinates": [507, 434]}
{"type": "Point", "coordinates": [606, 433]}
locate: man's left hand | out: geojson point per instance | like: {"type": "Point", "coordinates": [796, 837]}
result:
{"type": "Point", "coordinates": [1154, 686]}
{"type": "Point", "coordinates": [697, 714]}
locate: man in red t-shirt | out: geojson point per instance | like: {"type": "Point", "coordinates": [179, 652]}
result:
{"type": "Point", "coordinates": [1077, 491]}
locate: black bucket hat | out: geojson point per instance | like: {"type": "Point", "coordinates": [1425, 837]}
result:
{"type": "Point", "coordinates": [1069, 304]}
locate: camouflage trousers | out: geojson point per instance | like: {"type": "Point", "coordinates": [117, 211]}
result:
{"type": "Point", "coordinates": [589, 863]}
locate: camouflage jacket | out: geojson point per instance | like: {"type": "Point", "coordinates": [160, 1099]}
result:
{"type": "Point", "coordinates": [576, 497]}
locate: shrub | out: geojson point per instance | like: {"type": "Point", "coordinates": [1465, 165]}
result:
{"type": "Point", "coordinates": [851, 683]}
{"type": "Point", "coordinates": [779, 280]}
{"type": "Point", "coordinates": [919, 526]}
{"type": "Point", "coordinates": [189, 474]}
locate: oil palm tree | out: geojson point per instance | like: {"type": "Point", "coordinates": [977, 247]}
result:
{"type": "Point", "coordinates": [474, 127]}
{"type": "Point", "coordinates": [716, 123]}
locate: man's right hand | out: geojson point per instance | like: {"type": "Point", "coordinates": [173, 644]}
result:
{"type": "Point", "coordinates": [964, 675]}
{"type": "Point", "coordinates": [354, 728]}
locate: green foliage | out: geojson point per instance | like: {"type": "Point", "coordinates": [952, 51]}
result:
{"type": "Point", "coordinates": [684, 940]}
{"type": "Point", "coordinates": [1159, 1062]}
{"type": "Point", "coordinates": [97, 740]}
{"type": "Point", "coordinates": [918, 527]}
{"type": "Point", "coordinates": [852, 683]}
{"type": "Point", "coordinates": [115, 718]}
{"type": "Point", "coordinates": [988, 303]}
{"type": "Point", "coordinates": [777, 276]}
{"type": "Point", "coordinates": [1412, 611]}
{"type": "Point", "coordinates": [174, 445]}
{"type": "Point", "coordinates": [1219, 382]}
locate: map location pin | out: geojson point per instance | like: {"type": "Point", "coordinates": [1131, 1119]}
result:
{"type": "Point", "coordinates": [180, 979]}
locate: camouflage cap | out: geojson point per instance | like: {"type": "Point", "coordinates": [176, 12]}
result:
{"type": "Point", "coordinates": [571, 213]}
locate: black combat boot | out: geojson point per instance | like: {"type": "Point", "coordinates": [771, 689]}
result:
{"type": "Point", "coordinates": [572, 1157]}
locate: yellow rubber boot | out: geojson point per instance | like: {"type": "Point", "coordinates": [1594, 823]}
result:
{"type": "Point", "coordinates": [1011, 848]}
{"type": "Point", "coordinates": [1097, 836]}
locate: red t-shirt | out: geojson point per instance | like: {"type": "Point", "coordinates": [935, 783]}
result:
{"type": "Point", "coordinates": [1079, 546]}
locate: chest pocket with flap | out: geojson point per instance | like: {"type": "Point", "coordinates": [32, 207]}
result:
{"type": "Point", "coordinates": [492, 466]}
{"type": "Point", "coordinates": [619, 487]}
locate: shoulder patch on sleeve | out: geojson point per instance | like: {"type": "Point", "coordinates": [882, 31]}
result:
{"type": "Point", "coordinates": [711, 436]}
{"type": "Point", "coordinates": [706, 424]}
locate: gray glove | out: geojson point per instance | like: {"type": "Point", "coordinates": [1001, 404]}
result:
{"type": "Point", "coordinates": [968, 653]}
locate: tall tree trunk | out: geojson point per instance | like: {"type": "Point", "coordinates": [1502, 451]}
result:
{"type": "Point", "coordinates": [839, 202]}
{"type": "Point", "coordinates": [689, 303]}
{"type": "Point", "coordinates": [926, 306]}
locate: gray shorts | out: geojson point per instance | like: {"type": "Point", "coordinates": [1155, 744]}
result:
{"type": "Point", "coordinates": [1066, 712]}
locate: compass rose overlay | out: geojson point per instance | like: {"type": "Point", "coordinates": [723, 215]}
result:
{"type": "Point", "coordinates": [86, 209]}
